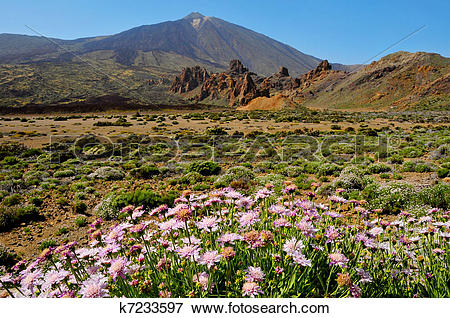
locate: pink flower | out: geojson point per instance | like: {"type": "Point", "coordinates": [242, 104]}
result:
{"type": "Point", "coordinates": [338, 259]}
{"type": "Point", "coordinates": [306, 227]}
{"type": "Point", "coordinates": [332, 233]}
{"type": "Point", "coordinates": [138, 212]}
{"type": "Point", "coordinates": [118, 267]}
{"type": "Point", "coordinates": [31, 279]}
{"type": "Point", "coordinates": [209, 224]}
{"type": "Point", "coordinates": [203, 280]}
{"type": "Point", "coordinates": [188, 251]}
{"type": "Point", "coordinates": [254, 274]}
{"type": "Point", "coordinates": [172, 224]}
{"type": "Point", "coordinates": [282, 222]}
{"type": "Point", "coordinates": [229, 238]}
{"type": "Point", "coordinates": [159, 209]}
{"type": "Point", "coordinates": [248, 219]}
{"type": "Point", "coordinates": [53, 277]}
{"type": "Point", "coordinates": [94, 287]}
{"type": "Point", "coordinates": [376, 231]}
{"type": "Point", "coordinates": [300, 259]}
{"type": "Point", "coordinates": [251, 289]}
{"type": "Point", "coordinates": [209, 258]}
{"type": "Point", "coordinates": [293, 246]}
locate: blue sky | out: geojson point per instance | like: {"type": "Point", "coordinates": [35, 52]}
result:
{"type": "Point", "coordinates": [346, 32]}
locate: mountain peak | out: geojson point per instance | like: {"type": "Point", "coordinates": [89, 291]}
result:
{"type": "Point", "coordinates": [194, 15]}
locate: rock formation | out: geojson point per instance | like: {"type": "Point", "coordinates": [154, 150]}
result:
{"type": "Point", "coordinates": [189, 79]}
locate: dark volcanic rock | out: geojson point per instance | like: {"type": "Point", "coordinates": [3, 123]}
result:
{"type": "Point", "coordinates": [323, 67]}
{"type": "Point", "coordinates": [236, 86]}
{"type": "Point", "coordinates": [236, 67]}
{"type": "Point", "coordinates": [283, 72]}
{"type": "Point", "coordinates": [189, 79]}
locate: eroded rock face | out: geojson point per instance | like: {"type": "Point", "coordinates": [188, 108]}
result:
{"type": "Point", "coordinates": [237, 86]}
{"type": "Point", "coordinates": [280, 81]}
{"type": "Point", "coordinates": [237, 68]}
{"type": "Point", "coordinates": [283, 72]}
{"type": "Point", "coordinates": [189, 79]}
{"type": "Point", "coordinates": [323, 67]}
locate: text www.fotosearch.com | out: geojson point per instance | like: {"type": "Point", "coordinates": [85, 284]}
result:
{"type": "Point", "coordinates": [241, 308]}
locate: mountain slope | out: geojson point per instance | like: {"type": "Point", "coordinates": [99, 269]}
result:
{"type": "Point", "coordinates": [206, 40]}
{"type": "Point", "coordinates": [399, 80]}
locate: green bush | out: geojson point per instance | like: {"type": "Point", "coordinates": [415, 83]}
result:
{"type": "Point", "coordinates": [47, 243]}
{"type": "Point", "coordinates": [7, 257]}
{"type": "Point", "coordinates": [12, 216]}
{"type": "Point", "coordinates": [13, 199]}
{"type": "Point", "coordinates": [396, 159]}
{"type": "Point", "coordinates": [235, 174]}
{"type": "Point", "coordinates": [36, 201]}
{"type": "Point", "coordinates": [328, 169]}
{"type": "Point", "coordinates": [145, 171]}
{"type": "Point", "coordinates": [110, 207]}
{"type": "Point", "coordinates": [205, 168]}
{"type": "Point", "coordinates": [350, 178]}
{"type": "Point", "coordinates": [391, 198]}
{"type": "Point", "coordinates": [437, 196]}
{"type": "Point", "coordinates": [79, 207]}
{"type": "Point", "coordinates": [10, 161]}
{"type": "Point", "coordinates": [191, 178]}
{"type": "Point", "coordinates": [443, 172]}
{"type": "Point", "coordinates": [80, 221]}
{"type": "Point", "coordinates": [411, 152]}
{"type": "Point", "coordinates": [108, 173]}
{"type": "Point", "coordinates": [377, 168]}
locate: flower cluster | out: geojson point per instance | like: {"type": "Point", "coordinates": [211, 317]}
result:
{"type": "Point", "coordinates": [227, 244]}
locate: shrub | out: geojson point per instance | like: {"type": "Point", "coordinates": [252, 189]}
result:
{"type": "Point", "coordinates": [377, 168]}
{"type": "Point", "coordinates": [36, 201]}
{"type": "Point", "coordinates": [391, 198]}
{"type": "Point", "coordinates": [64, 174]}
{"type": "Point", "coordinates": [328, 169]}
{"type": "Point", "coordinates": [303, 182]}
{"type": "Point", "coordinates": [205, 168]}
{"type": "Point", "coordinates": [235, 174]}
{"type": "Point", "coordinates": [62, 230]}
{"type": "Point", "coordinates": [79, 207]}
{"type": "Point", "coordinates": [145, 171]}
{"type": "Point", "coordinates": [437, 196]}
{"type": "Point", "coordinates": [47, 243]}
{"type": "Point", "coordinates": [443, 172]}
{"type": "Point", "coordinates": [411, 152]}
{"type": "Point", "coordinates": [7, 257]}
{"type": "Point", "coordinates": [110, 207]}
{"type": "Point", "coordinates": [191, 178]}
{"type": "Point", "coordinates": [441, 152]}
{"type": "Point", "coordinates": [108, 173]}
{"type": "Point", "coordinates": [12, 216]}
{"type": "Point", "coordinates": [200, 187]}
{"type": "Point", "coordinates": [351, 178]}
{"type": "Point", "coordinates": [13, 199]}
{"type": "Point", "coordinates": [396, 159]}
{"type": "Point", "coordinates": [10, 161]}
{"type": "Point", "coordinates": [80, 221]}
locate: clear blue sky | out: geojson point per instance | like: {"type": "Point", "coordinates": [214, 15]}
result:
{"type": "Point", "coordinates": [346, 32]}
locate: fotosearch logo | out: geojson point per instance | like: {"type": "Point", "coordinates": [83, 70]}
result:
{"type": "Point", "coordinates": [219, 148]}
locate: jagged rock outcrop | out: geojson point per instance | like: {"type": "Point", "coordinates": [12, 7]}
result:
{"type": "Point", "coordinates": [283, 72]}
{"type": "Point", "coordinates": [234, 86]}
{"type": "Point", "coordinates": [189, 79]}
{"type": "Point", "coordinates": [322, 68]}
{"type": "Point", "coordinates": [280, 81]}
{"type": "Point", "coordinates": [237, 68]}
